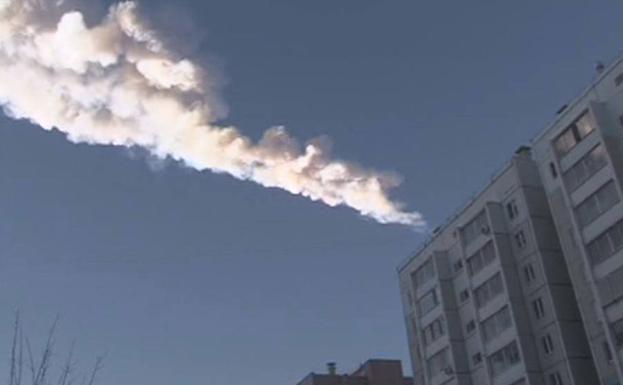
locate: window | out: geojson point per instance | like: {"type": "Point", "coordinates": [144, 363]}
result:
{"type": "Point", "coordinates": [528, 273]}
{"type": "Point", "coordinates": [428, 302]}
{"type": "Point", "coordinates": [464, 295]}
{"type": "Point", "coordinates": [586, 167]}
{"type": "Point", "coordinates": [489, 290]}
{"type": "Point", "coordinates": [475, 227]}
{"type": "Point", "coordinates": [606, 244]}
{"type": "Point", "coordinates": [424, 273]}
{"type": "Point", "coordinates": [617, 330]}
{"type": "Point", "coordinates": [539, 310]}
{"type": "Point", "coordinates": [555, 379]}
{"type": "Point", "coordinates": [496, 324]}
{"type": "Point", "coordinates": [471, 326]}
{"type": "Point", "coordinates": [438, 363]}
{"type": "Point", "coordinates": [458, 265]}
{"type": "Point", "coordinates": [504, 358]}
{"type": "Point", "coordinates": [574, 134]}
{"type": "Point", "coordinates": [520, 239]}
{"type": "Point", "coordinates": [596, 204]}
{"type": "Point", "coordinates": [607, 352]}
{"type": "Point", "coordinates": [548, 344]}
{"type": "Point", "coordinates": [481, 258]}
{"type": "Point", "coordinates": [618, 80]}
{"type": "Point", "coordinates": [477, 358]}
{"type": "Point", "coordinates": [433, 331]}
{"type": "Point", "coordinates": [512, 210]}
{"type": "Point", "coordinates": [584, 126]}
{"type": "Point", "coordinates": [552, 169]}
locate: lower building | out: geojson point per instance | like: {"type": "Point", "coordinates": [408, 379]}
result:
{"type": "Point", "coordinates": [372, 372]}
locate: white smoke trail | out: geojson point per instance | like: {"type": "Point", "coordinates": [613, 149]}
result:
{"type": "Point", "coordinates": [115, 83]}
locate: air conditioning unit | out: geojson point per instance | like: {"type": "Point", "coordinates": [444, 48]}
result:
{"type": "Point", "coordinates": [485, 229]}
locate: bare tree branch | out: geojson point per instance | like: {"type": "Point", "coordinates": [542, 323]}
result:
{"type": "Point", "coordinates": [31, 361]}
{"type": "Point", "coordinates": [14, 347]}
{"type": "Point", "coordinates": [96, 368]}
{"type": "Point", "coordinates": [41, 367]}
{"type": "Point", "coordinates": [67, 367]}
{"type": "Point", "coordinates": [46, 355]}
{"type": "Point", "coordinates": [20, 362]}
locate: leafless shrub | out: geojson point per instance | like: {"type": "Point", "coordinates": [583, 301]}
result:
{"type": "Point", "coordinates": [28, 368]}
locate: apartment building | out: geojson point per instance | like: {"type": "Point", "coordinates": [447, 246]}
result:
{"type": "Point", "coordinates": [488, 299]}
{"type": "Point", "coordinates": [372, 372]}
{"type": "Point", "coordinates": [580, 157]}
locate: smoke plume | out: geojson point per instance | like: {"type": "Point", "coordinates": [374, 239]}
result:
{"type": "Point", "coordinates": [116, 82]}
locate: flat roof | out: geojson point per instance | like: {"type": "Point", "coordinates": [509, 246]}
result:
{"type": "Point", "coordinates": [458, 212]}
{"type": "Point", "coordinates": [474, 197]}
{"type": "Point", "coordinates": [577, 99]}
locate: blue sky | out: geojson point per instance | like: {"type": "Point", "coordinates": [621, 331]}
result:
{"type": "Point", "coordinates": [197, 278]}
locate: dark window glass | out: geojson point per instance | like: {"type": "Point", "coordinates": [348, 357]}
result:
{"type": "Point", "coordinates": [574, 134]}
{"type": "Point", "coordinates": [586, 167]}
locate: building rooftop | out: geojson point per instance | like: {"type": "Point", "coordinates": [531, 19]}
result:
{"type": "Point", "coordinates": [568, 107]}
{"type": "Point", "coordinates": [522, 151]}
{"type": "Point", "coordinates": [498, 172]}
{"type": "Point", "coordinates": [371, 372]}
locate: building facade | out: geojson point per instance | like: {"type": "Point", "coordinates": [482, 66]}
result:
{"type": "Point", "coordinates": [372, 372]}
{"type": "Point", "coordinates": [489, 301]}
{"type": "Point", "coordinates": [580, 157]}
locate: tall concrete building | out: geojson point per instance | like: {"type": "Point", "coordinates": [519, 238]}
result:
{"type": "Point", "coordinates": [525, 284]}
{"type": "Point", "coordinates": [489, 300]}
{"type": "Point", "coordinates": [580, 157]}
{"type": "Point", "coordinates": [372, 372]}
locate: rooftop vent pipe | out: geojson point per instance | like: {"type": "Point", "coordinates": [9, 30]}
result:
{"type": "Point", "coordinates": [332, 368]}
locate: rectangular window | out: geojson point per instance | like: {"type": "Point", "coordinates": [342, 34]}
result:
{"type": "Point", "coordinates": [428, 302]}
{"type": "Point", "coordinates": [548, 344]}
{"type": "Point", "coordinates": [464, 295]}
{"type": "Point", "coordinates": [586, 167]}
{"type": "Point", "coordinates": [555, 379]}
{"type": "Point", "coordinates": [475, 228]}
{"type": "Point", "coordinates": [607, 351]}
{"type": "Point", "coordinates": [438, 363]}
{"type": "Point", "coordinates": [458, 265]}
{"type": "Point", "coordinates": [566, 141]}
{"type": "Point", "coordinates": [504, 358]}
{"type": "Point", "coordinates": [617, 330]}
{"type": "Point", "coordinates": [471, 326]}
{"type": "Point", "coordinates": [598, 203]}
{"type": "Point", "coordinates": [512, 210]}
{"type": "Point", "coordinates": [489, 290]}
{"type": "Point", "coordinates": [481, 258]}
{"type": "Point", "coordinates": [552, 170]}
{"type": "Point", "coordinates": [477, 358]}
{"type": "Point", "coordinates": [433, 331]}
{"type": "Point", "coordinates": [574, 134]}
{"type": "Point", "coordinates": [539, 310]}
{"type": "Point", "coordinates": [528, 272]}
{"type": "Point", "coordinates": [606, 244]}
{"type": "Point", "coordinates": [520, 239]}
{"type": "Point", "coordinates": [496, 324]}
{"type": "Point", "coordinates": [424, 273]}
